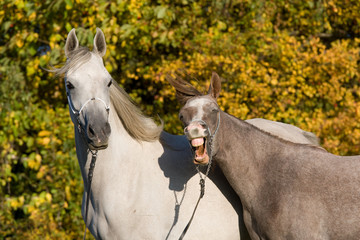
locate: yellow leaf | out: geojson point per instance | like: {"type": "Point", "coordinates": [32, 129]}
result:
{"type": "Point", "coordinates": [34, 163]}
{"type": "Point", "coordinates": [67, 193]}
{"type": "Point", "coordinates": [38, 158]}
{"type": "Point", "coordinates": [14, 203]}
{"type": "Point", "coordinates": [44, 133]}
{"type": "Point", "coordinates": [41, 172]}
{"type": "Point", "coordinates": [30, 208]}
{"type": "Point", "coordinates": [45, 141]}
{"type": "Point", "coordinates": [19, 43]}
{"type": "Point", "coordinates": [32, 16]}
{"type": "Point", "coordinates": [48, 197]}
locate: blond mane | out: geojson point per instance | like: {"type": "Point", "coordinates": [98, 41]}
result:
{"type": "Point", "coordinates": [78, 57]}
{"type": "Point", "coordinates": [139, 126]}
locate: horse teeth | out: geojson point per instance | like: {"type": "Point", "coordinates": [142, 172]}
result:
{"type": "Point", "coordinates": [197, 142]}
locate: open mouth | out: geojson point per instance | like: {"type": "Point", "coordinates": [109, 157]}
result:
{"type": "Point", "coordinates": [199, 148]}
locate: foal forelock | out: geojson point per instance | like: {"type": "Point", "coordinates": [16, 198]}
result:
{"type": "Point", "coordinates": [199, 107]}
{"type": "Point", "coordinates": [139, 126]}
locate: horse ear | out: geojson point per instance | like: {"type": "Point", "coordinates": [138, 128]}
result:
{"type": "Point", "coordinates": [181, 97]}
{"type": "Point", "coordinates": [184, 90]}
{"type": "Point", "coordinates": [72, 43]}
{"type": "Point", "coordinates": [215, 85]}
{"type": "Point", "coordinates": [99, 43]}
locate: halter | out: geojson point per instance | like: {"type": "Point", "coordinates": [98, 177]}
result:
{"type": "Point", "coordinates": [81, 130]}
{"type": "Point", "coordinates": [210, 136]}
{"type": "Point", "coordinates": [209, 141]}
{"type": "Point", "coordinates": [78, 112]}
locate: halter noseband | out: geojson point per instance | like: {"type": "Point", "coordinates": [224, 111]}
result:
{"type": "Point", "coordinates": [78, 112]}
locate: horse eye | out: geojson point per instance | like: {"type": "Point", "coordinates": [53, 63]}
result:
{"type": "Point", "coordinates": [109, 84]}
{"type": "Point", "coordinates": [181, 117]}
{"type": "Point", "coordinates": [215, 110]}
{"type": "Point", "coordinates": [69, 85]}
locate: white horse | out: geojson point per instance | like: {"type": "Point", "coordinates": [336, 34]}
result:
{"type": "Point", "coordinates": [144, 185]}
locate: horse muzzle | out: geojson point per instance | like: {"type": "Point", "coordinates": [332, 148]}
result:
{"type": "Point", "coordinates": [98, 136]}
{"type": "Point", "coordinates": [197, 135]}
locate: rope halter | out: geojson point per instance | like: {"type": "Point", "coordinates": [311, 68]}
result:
{"type": "Point", "coordinates": [78, 112]}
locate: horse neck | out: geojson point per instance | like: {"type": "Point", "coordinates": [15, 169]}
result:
{"type": "Point", "coordinates": [242, 152]}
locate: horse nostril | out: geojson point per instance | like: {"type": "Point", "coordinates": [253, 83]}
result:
{"type": "Point", "coordinates": [186, 130]}
{"type": "Point", "coordinates": [91, 131]}
{"type": "Point", "coordinates": [203, 125]}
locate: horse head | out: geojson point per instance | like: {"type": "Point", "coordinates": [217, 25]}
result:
{"type": "Point", "coordinates": [200, 116]}
{"type": "Point", "coordinates": [87, 84]}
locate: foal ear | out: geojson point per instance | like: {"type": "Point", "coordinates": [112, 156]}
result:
{"type": "Point", "coordinates": [99, 43]}
{"type": "Point", "coordinates": [215, 85]}
{"type": "Point", "coordinates": [72, 43]}
{"type": "Point", "coordinates": [184, 90]}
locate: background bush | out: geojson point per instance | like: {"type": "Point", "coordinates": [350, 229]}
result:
{"type": "Point", "coordinates": [291, 61]}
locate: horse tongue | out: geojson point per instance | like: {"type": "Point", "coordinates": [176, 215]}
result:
{"type": "Point", "coordinates": [197, 142]}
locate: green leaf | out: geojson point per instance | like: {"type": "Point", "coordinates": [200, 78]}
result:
{"type": "Point", "coordinates": [6, 25]}
{"type": "Point", "coordinates": [32, 51]}
{"type": "Point", "coordinates": [161, 11]}
{"type": "Point", "coordinates": [68, 27]}
{"type": "Point", "coordinates": [69, 3]}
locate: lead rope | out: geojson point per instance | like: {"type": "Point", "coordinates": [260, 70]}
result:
{"type": "Point", "coordinates": [91, 169]}
{"type": "Point", "coordinates": [202, 179]}
{"type": "Point", "coordinates": [202, 192]}
{"type": "Point", "coordinates": [90, 175]}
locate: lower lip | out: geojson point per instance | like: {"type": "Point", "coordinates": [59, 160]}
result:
{"type": "Point", "coordinates": [92, 147]}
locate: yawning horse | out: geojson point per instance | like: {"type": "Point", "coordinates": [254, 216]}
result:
{"type": "Point", "coordinates": [288, 190]}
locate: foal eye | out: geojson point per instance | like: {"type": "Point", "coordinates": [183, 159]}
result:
{"type": "Point", "coordinates": [109, 84]}
{"type": "Point", "coordinates": [69, 85]}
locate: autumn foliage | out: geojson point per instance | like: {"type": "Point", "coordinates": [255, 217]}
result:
{"type": "Point", "coordinates": [290, 61]}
